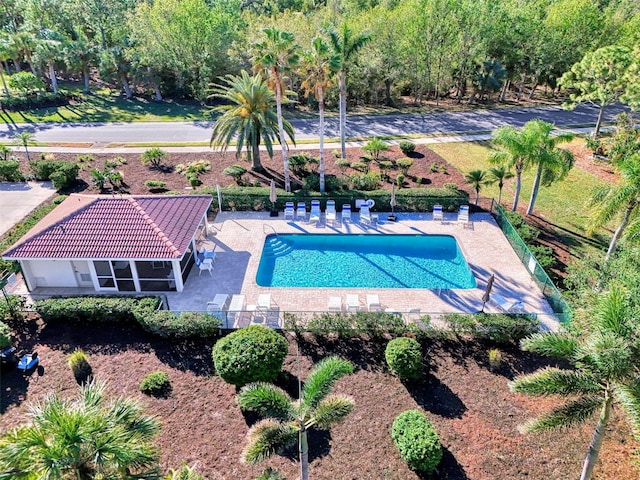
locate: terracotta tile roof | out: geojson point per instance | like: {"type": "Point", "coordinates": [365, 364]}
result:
{"type": "Point", "coordinates": [115, 227]}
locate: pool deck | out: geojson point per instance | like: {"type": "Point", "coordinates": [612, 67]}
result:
{"type": "Point", "coordinates": [239, 237]}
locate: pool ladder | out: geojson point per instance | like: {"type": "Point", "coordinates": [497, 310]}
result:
{"type": "Point", "coordinates": [267, 226]}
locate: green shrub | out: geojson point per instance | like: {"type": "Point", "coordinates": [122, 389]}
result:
{"type": "Point", "coordinates": [10, 171]}
{"type": "Point", "coordinates": [433, 167]}
{"type": "Point", "coordinates": [527, 233]}
{"type": "Point", "coordinates": [78, 362]}
{"type": "Point", "coordinates": [193, 170]}
{"type": "Point", "coordinates": [385, 166]}
{"type": "Point", "coordinates": [98, 178]}
{"type": "Point", "coordinates": [236, 172]}
{"type": "Point", "coordinates": [407, 147]}
{"type": "Point", "coordinates": [85, 159]}
{"type": "Point", "coordinates": [495, 359]}
{"type": "Point", "coordinates": [372, 324]}
{"type": "Point", "coordinates": [375, 147]}
{"type": "Point", "coordinates": [365, 181]}
{"type": "Point", "coordinates": [360, 166]}
{"type": "Point", "coordinates": [153, 158]}
{"type": "Point", "coordinates": [417, 441]}
{"type": "Point", "coordinates": [155, 184]}
{"type": "Point", "coordinates": [5, 335]}
{"type": "Point", "coordinates": [100, 309]}
{"type": "Point", "coordinates": [495, 327]}
{"type": "Point", "coordinates": [156, 384]}
{"type": "Point", "coordinates": [544, 255]}
{"type": "Point", "coordinates": [298, 164]}
{"type": "Point", "coordinates": [342, 164]}
{"type": "Point", "coordinates": [450, 186]}
{"type": "Point", "coordinates": [59, 199]}
{"type": "Point", "coordinates": [25, 82]}
{"type": "Point", "coordinates": [62, 174]}
{"type": "Point", "coordinates": [251, 354]}
{"type": "Point", "coordinates": [400, 180]}
{"type": "Point", "coordinates": [10, 309]}
{"type": "Point", "coordinates": [168, 324]}
{"type": "Point", "coordinates": [270, 474]}
{"type": "Point", "coordinates": [404, 357]}
{"type": "Point", "coordinates": [404, 164]}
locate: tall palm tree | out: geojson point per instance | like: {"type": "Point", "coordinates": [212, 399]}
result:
{"type": "Point", "coordinates": [288, 419]}
{"type": "Point", "coordinates": [498, 175]}
{"type": "Point", "coordinates": [476, 178]}
{"type": "Point", "coordinates": [605, 372]}
{"type": "Point", "coordinates": [249, 114]}
{"type": "Point", "coordinates": [25, 138]}
{"type": "Point", "coordinates": [276, 56]}
{"type": "Point", "coordinates": [319, 65]}
{"type": "Point", "coordinates": [622, 200]}
{"type": "Point", "coordinates": [346, 43]}
{"type": "Point", "coordinates": [552, 163]}
{"type": "Point", "coordinates": [84, 439]}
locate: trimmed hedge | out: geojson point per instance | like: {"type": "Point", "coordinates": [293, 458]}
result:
{"type": "Point", "coordinates": [10, 171]}
{"type": "Point", "coordinates": [98, 309]}
{"type": "Point", "coordinates": [404, 357]}
{"type": "Point", "coordinates": [408, 200]}
{"type": "Point", "coordinates": [495, 327]}
{"type": "Point", "coordinates": [417, 441]}
{"type": "Point", "coordinates": [156, 384]}
{"type": "Point", "coordinates": [167, 324]}
{"type": "Point", "coordinates": [252, 354]}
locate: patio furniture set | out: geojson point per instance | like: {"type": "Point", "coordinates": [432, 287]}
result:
{"type": "Point", "coordinates": [232, 309]}
{"type": "Point", "coordinates": [299, 212]}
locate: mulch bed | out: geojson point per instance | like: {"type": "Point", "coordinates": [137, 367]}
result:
{"type": "Point", "coordinates": [471, 407]}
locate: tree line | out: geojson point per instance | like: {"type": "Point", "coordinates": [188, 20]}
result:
{"type": "Point", "coordinates": [467, 50]}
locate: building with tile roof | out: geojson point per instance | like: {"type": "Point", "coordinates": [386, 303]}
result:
{"type": "Point", "coordinates": [114, 243]}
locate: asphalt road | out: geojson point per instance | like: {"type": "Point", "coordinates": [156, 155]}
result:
{"type": "Point", "coordinates": [469, 122]}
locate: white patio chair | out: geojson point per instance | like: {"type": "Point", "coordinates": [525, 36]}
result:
{"type": "Point", "coordinates": [330, 213]}
{"type": "Point", "coordinates": [301, 211]}
{"type": "Point", "coordinates": [346, 212]}
{"type": "Point", "coordinates": [206, 264]}
{"type": "Point", "coordinates": [437, 213]}
{"type": "Point", "coordinates": [373, 303]}
{"type": "Point", "coordinates": [289, 211]}
{"type": "Point", "coordinates": [463, 216]}
{"type": "Point", "coordinates": [335, 304]}
{"type": "Point", "coordinates": [353, 303]}
{"type": "Point", "coordinates": [314, 216]}
{"type": "Point", "coordinates": [365, 215]}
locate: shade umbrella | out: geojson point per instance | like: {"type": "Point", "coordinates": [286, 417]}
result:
{"type": "Point", "coordinates": [392, 202]}
{"type": "Point", "coordinates": [487, 291]}
{"type": "Point", "coordinates": [273, 196]}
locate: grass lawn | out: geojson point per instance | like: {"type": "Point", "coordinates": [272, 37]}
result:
{"type": "Point", "coordinates": [563, 204]}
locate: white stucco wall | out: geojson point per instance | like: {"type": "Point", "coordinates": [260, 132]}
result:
{"type": "Point", "coordinates": [49, 273]}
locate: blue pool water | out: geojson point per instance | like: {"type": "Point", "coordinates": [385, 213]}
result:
{"type": "Point", "coordinates": [374, 261]}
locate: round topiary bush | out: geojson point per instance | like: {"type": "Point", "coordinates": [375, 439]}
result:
{"type": "Point", "coordinates": [156, 384]}
{"type": "Point", "coordinates": [407, 147]}
{"type": "Point", "coordinates": [78, 362]}
{"type": "Point", "coordinates": [251, 354]}
{"type": "Point", "coordinates": [404, 357]}
{"type": "Point", "coordinates": [417, 441]}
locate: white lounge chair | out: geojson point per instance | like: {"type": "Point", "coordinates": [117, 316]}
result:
{"type": "Point", "coordinates": [507, 306]}
{"type": "Point", "coordinates": [330, 212]}
{"type": "Point", "coordinates": [463, 216]}
{"type": "Point", "coordinates": [437, 213]}
{"type": "Point", "coordinates": [365, 215]}
{"type": "Point", "coordinates": [346, 212]}
{"type": "Point", "coordinates": [289, 211]}
{"type": "Point", "coordinates": [314, 216]}
{"type": "Point", "coordinates": [218, 303]}
{"type": "Point", "coordinates": [353, 303]}
{"type": "Point", "coordinates": [373, 303]}
{"type": "Point", "coordinates": [335, 304]}
{"type": "Point", "coordinates": [301, 211]}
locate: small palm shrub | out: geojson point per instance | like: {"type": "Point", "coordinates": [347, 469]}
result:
{"type": "Point", "coordinates": [404, 357]}
{"type": "Point", "coordinates": [78, 362]}
{"type": "Point", "coordinates": [193, 170]}
{"type": "Point", "coordinates": [375, 147]}
{"type": "Point", "coordinates": [184, 473]}
{"type": "Point", "coordinates": [251, 354]}
{"type": "Point", "coordinates": [153, 158]}
{"type": "Point", "coordinates": [495, 359]}
{"type": "Point", "coordinates": [417, 441]}
{"type": "Point", "coordinates": [404, 164]}
{"type": "Point", "coordinates": [236, 172]}
{"type": "Point", "coordinates": [407, 147]}
{"type": "Point", "coordinates": [156, 384]}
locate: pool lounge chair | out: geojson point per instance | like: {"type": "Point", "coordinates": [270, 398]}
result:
{"type": "Point", "coordinates": [437, 213]}
{"type": "Point", "coordinates": [289, 211]}
{"type": "Point", "coordinates": [365, 215]}
{"type": "Point", "coordinates": [463, 216]}
{"type": "Point", "coordinates": [353, 303]}
{"type": "Point", "coordinates": [314, 216]}
{"type": "Point", "coordinates": [330, 213]}
{"type": "Point", "coordinates": [373, 303]}
{"type": "Point", "coordinates": [335, 304]}
{"type": "Point", "coordinates": [346, 212]}
{"type": "Point", "coordinates": [301, 211]}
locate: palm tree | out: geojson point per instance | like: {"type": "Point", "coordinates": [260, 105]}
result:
{"type": "Point", "coordinates": [319, 65]}
{"type": "Point", "coordinates": [624, 198]}
{"type": "Point", "coordinates": [288, 419]}
{"type": "Point", "coordinates": [552, 163]}
{"type": "Point", "coordinates": [85, 438]}
{"type": "Point", "coordinates": [605, 363]}
{"type": "Point", "coordinates": [476, 178]}
{"type": "Point", "coordinates": [249, 114]}
{"type": "Point", "coordinates": [499, 175]}
{"type": "Point", "coordinates": [346, 43]}
{"type": "Point", "coordinates": [25, 138]}
{"type": "Point", "coordinates": [275, 56]}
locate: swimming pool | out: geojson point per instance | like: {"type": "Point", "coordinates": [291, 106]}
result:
{"type": "Point", "coordinates": [363, 261]}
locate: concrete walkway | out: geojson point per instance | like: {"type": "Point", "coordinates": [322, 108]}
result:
{"type": "Point", "coordinates": [18, 199]}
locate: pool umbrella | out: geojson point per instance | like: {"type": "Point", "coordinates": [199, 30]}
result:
{"type": "Point", "coordinates": [487, 291]}
{"type": "Point", "coordinates": [273, 196]}
{"type": "Point", "coordinates": [392, 202]}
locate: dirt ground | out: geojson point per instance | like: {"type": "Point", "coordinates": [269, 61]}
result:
{"type": "Point", "coordinates": [471, 407]}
